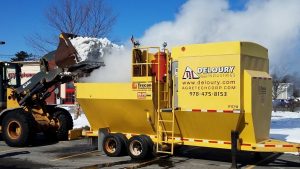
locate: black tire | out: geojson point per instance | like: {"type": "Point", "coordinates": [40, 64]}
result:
{"type": "Point", "coordinates": [18, 128]}
{"type": "Point", "coordinates": [152, 146]}
{"type": "Point", "coordinates": [65, 124]}
{"type": "Point", "coordinates": [138, 147]}
{"type": "Point", "coordinates": [113, 145]}
{"type": "Point", "coordinates": [124, 143]}
{"type": "Point", "coordinates": [51, 135]}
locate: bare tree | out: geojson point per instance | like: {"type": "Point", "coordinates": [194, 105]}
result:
{"type": "Point", "coordinates": [93, 18]}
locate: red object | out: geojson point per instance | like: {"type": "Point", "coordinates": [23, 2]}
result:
{"type": "Point", "coordinates": [162, 66]}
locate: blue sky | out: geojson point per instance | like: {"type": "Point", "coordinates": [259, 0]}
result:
{"type": "Point", "coordinates": [20, 19]}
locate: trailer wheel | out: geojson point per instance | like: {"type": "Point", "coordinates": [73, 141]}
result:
{"type": "Point", "coordinates": [18, 128]}
{"type": "Point", "coordinates": [138, 147]}
{"type": "Point", "coordinates": [124, 143]}
{"type": "Point", "coordinates": [151, 145]}
{"type": "Point", "coordinates": [65, 122]}
{"type": "Point", "coordinates": [113, 145]}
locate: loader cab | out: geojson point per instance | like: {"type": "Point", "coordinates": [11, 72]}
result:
{"type": "Point", "coordinates": [10, 77]}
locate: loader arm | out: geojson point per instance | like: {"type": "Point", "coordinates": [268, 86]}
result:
{"type": "Point", "coordinates": [57, 67]}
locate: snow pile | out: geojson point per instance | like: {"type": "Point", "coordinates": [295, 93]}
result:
{"type": "Point", "coordinates": [79, 121]}
{"type": "Point", "coordinates": [92, 49]}
{"type": "Point", "coordinates": [285, 126]}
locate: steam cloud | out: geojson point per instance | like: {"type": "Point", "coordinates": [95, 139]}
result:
{"type": "Point", "coordinates": [274, 24]}
{"type": "Point", "coordinates": [117, 67]}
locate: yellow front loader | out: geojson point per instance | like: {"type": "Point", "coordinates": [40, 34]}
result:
{"type": "Point", "coordinates": [23, 109]}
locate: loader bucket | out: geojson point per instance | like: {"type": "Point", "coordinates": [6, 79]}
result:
{"type": "Point", "coordinates": [66, 55]}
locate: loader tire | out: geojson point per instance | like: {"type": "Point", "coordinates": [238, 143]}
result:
{"type": "Point", "coordinates": [138, 148]}
{"type": "Point", "coordinates": [113, 145]}
{"type": "Point", "coordinates": [65, 121]}
{"type": "Point", "coordinates": [18, 128]}
{"type": "Point", "coordinates": [51, 135]}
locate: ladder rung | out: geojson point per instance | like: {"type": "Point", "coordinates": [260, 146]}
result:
{"type": "Point", "coordinates": [167, 152]}
{"type": "Point", "coordinates": [166, 110]}
{"type": "Point", "coordinates": [166, 131]}
{"type": "Point", "coordinates": [168, 121]}
{"type": "Point", "coordinates": [164, 142]}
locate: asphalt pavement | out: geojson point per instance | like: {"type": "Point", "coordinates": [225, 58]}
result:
{"type": "Point", "coordinates": [80, 154]}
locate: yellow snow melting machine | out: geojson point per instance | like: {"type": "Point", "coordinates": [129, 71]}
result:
{"type": "Point", "coordinates": [214, 95]}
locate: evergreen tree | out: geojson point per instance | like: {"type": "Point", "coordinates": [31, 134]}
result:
{"type": "Point", "coordinates": [22, 56]}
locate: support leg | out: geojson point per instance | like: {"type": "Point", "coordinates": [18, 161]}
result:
{"type": "Point", "coordinates": [234, 148]}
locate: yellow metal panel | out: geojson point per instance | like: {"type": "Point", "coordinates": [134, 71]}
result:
{"type": "Point", "coordinates": [221, 48]}
{"type": "Point", "coordinates": [116, 106]}
{"type": "Point", "coordinates": [258, 105]}
{"type": "Point", "coordinates": [253, 49]}
{"type": "Point", "coordinates": [213, 126]}
{"type": "Point", "coordinates": [11, 101]}
{"type": "Point", "coordinates": [119, 115]}
{"type": "Point", "coordinates": [247, 129]}
{"type": "Point", "coordinates": [110, 91]}
{"type": "Point", "coordinates": [204, 81]}
{"type": "Point", "coordinates": [261, 104]}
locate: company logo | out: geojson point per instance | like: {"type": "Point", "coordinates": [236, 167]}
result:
{"type": "Point", "coordinates": [221, 69]}
{"type": "Point", "coordinates": [189, 74]}
{"type": "Point", "coordinates": [141, 95]}
{"type": "Point", "coordinates": [141, 85]}
{"type": "Point", "coordinates": [26, 84]}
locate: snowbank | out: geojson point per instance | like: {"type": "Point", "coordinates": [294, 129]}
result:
{"type": "Point", "coordinates": [285, 126]}
{"type": "Point", "coordinates": [78, 121]}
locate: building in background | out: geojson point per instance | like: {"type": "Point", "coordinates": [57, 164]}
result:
{"type": "Point", "coordinates": [286, 91]}
{"type": "Point", "coordinates": [62, 94]}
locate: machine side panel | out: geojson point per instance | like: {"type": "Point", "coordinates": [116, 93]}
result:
{"type": "Point", "coordinates": [209, 82]}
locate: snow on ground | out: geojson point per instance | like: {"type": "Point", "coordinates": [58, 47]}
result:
{"type": "Point", "coordinates": [285, 126]}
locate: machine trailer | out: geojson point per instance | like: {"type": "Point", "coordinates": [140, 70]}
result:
{"type": "Point", "coordinates": [216, 95]}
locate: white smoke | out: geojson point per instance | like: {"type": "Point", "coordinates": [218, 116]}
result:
{"type": "Point", "coordinates": [117, 67]}
{"type": "Point", "coordinates": [274, 24]}
{"type": "Point", "coordinates": [116, 58]}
